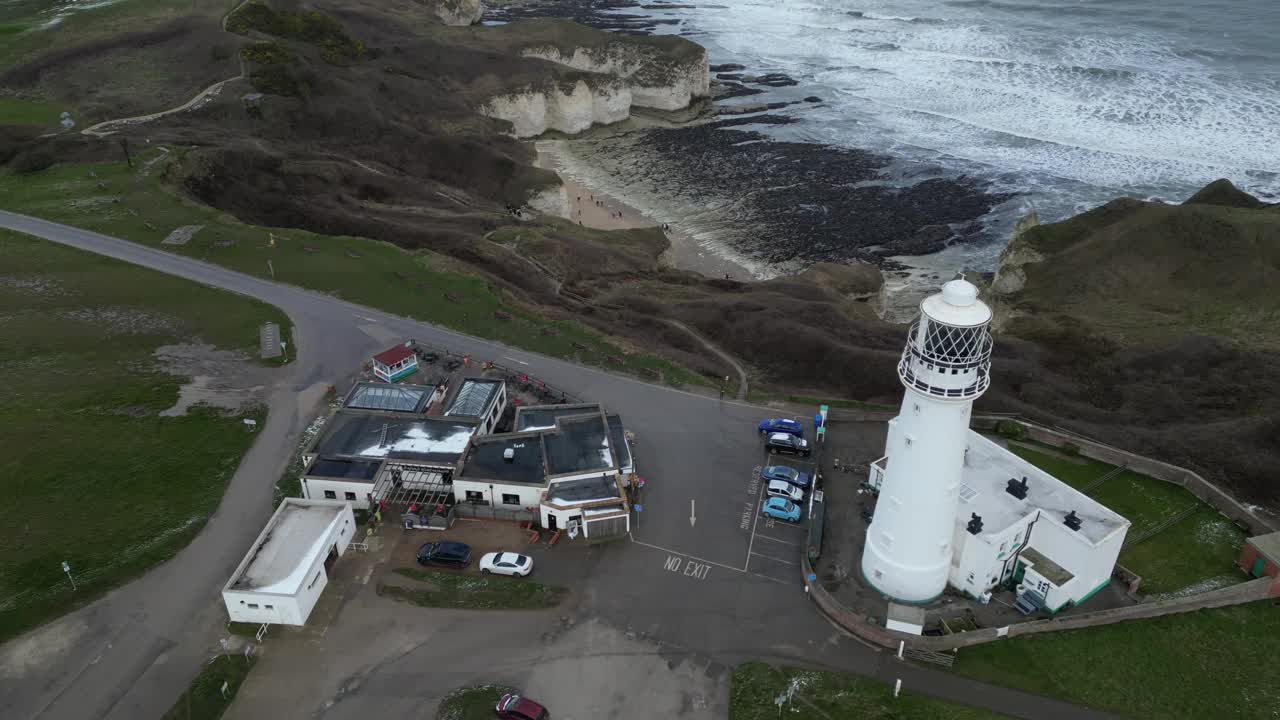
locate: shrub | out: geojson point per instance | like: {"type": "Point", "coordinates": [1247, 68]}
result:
{"type": "Point", "coordinates": [315, 28]}
{"type": "Point", "coordinates": [1012, 430]}
{"type": "Point", "coordinates": [275, 80]}
{"type": "Point", "coordinates": [1070, 448]}
{"type": "Point", "coordinates": [268, 54]}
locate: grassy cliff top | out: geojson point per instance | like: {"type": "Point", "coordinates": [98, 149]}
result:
{"type": "Point", "coordinates": [1146, 270]}
{"type": "Point", "coordinates": [568, 36]}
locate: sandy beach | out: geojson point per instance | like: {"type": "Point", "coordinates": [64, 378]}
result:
{"type": "Point", "coordinates": [595, 209]}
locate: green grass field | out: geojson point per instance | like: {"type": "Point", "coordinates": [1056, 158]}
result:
{"type": "Point", "coordinates": [204, 700]}
{"type": "Point", "coordinates": [1195, 554]}
{"type": "Point", "coordinates": [1216, 664]}
{"type": "Point", "coordinates": [92, 474]}
{"type": "Point", "coordinates": [14, 111]}
{"type": "Point", "coordinates": [756, 687]}
{"type": "Point", "coordinates": [473, 703]}
{"type": "Point", "coordinates": [113, 199]}
{"type": "Point", "coordinates": [468, 592]}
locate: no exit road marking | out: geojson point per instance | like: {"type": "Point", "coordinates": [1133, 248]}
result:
{"type": "Point", "coordinates": [687, 567]}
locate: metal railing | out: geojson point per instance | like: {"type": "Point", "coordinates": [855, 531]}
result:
{"type": "Point", "coordinates": [909, 378]}
{"type": "Point", "coordinates": [1113, 472]}
{"type": "Point", "coordinates": [1162, 526]}
{"type": "Point", "coordinates": [539, 388]}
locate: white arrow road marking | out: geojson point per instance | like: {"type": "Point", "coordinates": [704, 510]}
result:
{"type": "Point", "coordinates": [693, 516]}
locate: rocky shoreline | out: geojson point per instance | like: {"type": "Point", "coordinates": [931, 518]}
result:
{"type": "Point", "coordinates": [786, 205]}
{"type": "Point", "coordinates": [773, 205]}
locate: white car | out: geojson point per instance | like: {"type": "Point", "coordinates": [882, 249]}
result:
{"type": "Point", "coordinates": [506, 563]}
{"type": "Point", "coordinates": [784, 490]}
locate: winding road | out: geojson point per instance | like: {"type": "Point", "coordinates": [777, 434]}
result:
{"type": "Point", "coordinates": [129, 655]}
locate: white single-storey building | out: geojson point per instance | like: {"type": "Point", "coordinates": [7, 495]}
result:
{"type": "Point", "coordinates": [345, 460]}
{"type": "Point", "coordinates": [282, 576]}
{"type": "Point", "coordinates": [1017, 524]}
{"type": "Point", "coordinates": [561, 471]}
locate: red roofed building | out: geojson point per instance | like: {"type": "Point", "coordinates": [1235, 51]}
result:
{"type": "Point", "coordinates": [1260, 557]}
{"type": "Point", "coordinates": [394, 364]}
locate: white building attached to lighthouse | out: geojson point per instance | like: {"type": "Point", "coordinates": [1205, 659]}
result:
{"type": "Point", "coordinates": [956, 508]}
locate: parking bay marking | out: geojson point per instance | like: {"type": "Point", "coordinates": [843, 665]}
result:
{"type": "Point", "coordinates": [770, 557]}
{"type": "Point", "coordinates": [784, 542]}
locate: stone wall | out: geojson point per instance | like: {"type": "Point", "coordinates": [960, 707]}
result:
{"type": "Point", "coordinates": [1241, 593]}
{"type": "Point", "coordinates": [1253, 590]}
{"type": "Point", "coordinates": [1194, 483]}
{"type": "Point", "coordinates": [1216, 497]}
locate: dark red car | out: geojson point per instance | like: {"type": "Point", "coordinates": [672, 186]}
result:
{"type": "Point", "coordinates": [515, 707]}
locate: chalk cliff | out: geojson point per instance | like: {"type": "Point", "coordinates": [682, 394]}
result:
{"type": "Point", "coordinates": [658, 79]}
{"type": "Point", "coordinates": [535, 109]}
{"type": "Point", "coordinates": [608, 75]}
{"type": "Point", "coordinates": [456, 12]}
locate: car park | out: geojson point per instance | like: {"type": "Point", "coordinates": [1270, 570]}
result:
{"type": "Point", "coordinates": [781, 425]}
{"type": "Point", "coordinates": [785, 490]}
{"type": "Point", "coordinates": [506, 563]}
{"type": "Point", "coordinates": [781, 509]}
{"type": "Point", "coordinates": [784, 443]}
{"type": "Point", "coordinates": [450, 554]}
{"type": "Point", "coordinates": [786, 474]}
{"type": "Point", "coordinates": [517, 707]}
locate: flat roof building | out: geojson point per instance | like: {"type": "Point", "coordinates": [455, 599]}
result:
{"type": "Point", "coordinates": [563, 463]}
{"type": "Point", "coordinates": [579, 444]}
{"type": "Point", "coordinates": [289, 564]}
{"type": "Point", "coordinates": [438, 442]}
{"type": "Point", "coordinates": [543, 417]}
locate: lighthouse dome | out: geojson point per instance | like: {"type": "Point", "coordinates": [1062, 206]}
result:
{"type": "Point", "coordinates": [957, 305]}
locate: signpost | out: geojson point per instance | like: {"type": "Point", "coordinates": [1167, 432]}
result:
{"type": "Point", "coordinates": [66, 568]}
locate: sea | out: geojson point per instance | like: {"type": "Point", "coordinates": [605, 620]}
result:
{"type": "Point", "coordinates": [1069, 103]}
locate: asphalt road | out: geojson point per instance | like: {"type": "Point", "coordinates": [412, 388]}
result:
{"type": "Point", "coordinates": [712, 586]}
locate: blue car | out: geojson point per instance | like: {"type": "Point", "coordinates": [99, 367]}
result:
{"type": "Point", "coordinates": [785, 474]}
{"type": "Point", "coordinates": [782, 509]}
{"type": "Point", "coordinates": [781, 425]}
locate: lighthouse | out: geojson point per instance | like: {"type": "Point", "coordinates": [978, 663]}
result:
{"type": "Point", "coordinates": [945, 367]}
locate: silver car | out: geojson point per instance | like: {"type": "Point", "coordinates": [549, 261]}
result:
{"type": "Point", "coordinates": [785, 490]}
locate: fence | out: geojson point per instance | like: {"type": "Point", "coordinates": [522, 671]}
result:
{"type": "Point", "coordinates": [485, 511]}
{"type": "Point", "coordinates": [930, 656]}
{"type": "Point", "coordinates": [1096, 450]}
{"type": "Point", "coordinates": [1112, 473]}
{"type": "Point", "coordinates": [544, 391]}
{"type": "Point", "coordinates": [1161, 526]}
{"type": "Point", "coordinates": [1245, 592]}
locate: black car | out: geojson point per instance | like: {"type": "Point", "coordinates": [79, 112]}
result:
{"type": "Point", "coordinates": [452, 554]}
{"type": "Point", "coordinates": [784, 443]}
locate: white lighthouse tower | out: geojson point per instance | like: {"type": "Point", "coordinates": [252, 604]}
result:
{"type": "Point", "coordinates": [945, 367]}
